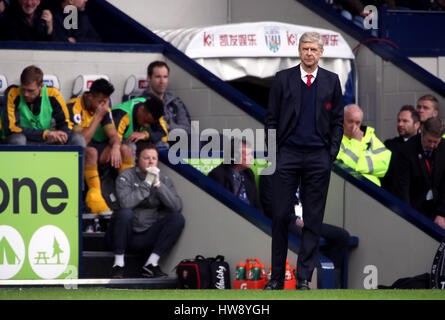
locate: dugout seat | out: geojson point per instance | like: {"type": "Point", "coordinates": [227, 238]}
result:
{"type": "Point", "coordinates": [83, 83]}
{"type": "Point", "coordinates": [134, 86]}
{"type": "Point", "coordinates": [3, 86]}
{"type": "Point", "coordinates": [51, 80]}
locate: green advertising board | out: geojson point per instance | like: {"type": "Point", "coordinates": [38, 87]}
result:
{"type": "Point", "coordinates": [39, 214]}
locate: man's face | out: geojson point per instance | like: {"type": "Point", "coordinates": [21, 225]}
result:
{"type": "Point", "coordinates": [31, 91]}
{"type": "Point", "coordinates": [246, 157]}
{"type": "Point", "coordinates": [93, 101]}
{"type": "Point", "coordinates": [310, 54]}
{"type": "Point", "coordinates": [144, 118]}
{"type": "Point", "coordinates": [429, 142]}
{"type": "Point", "coordinates": [158, 81]}
{"type": "Point", "coordinates": [426, 110]}
{"type": "Point", "coordinates": [352, 122]}
{"type": "Point", "coordinates": [80, 4]}
{"type": "Point", "coordinates": [405, 125]}
{"type": "Point", "coordinates": [147, 158]}
{"type": "Point", "coordinates": [29, 6]}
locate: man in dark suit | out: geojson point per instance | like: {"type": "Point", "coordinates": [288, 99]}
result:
{"type": "Point", "coordinates": [237, 177]}
{"type": "Point", "coordinates": [306, 110]}
{"type": "Point", "coordinates": [408, 124]}
{"type": "Point", "coordinates": [421, 172]}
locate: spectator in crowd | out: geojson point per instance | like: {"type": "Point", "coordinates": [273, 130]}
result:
{"type": "Point", "coordinates": [27, 21]}
{"type": "Point", "coordinates": [427, 107]}
{"type": "Point", "coordinates": [408, 124]}
{"type": "Point", "coordinates": [237, 176]}
{"type": "Point", "coordinates": [30, 110]}
{"type": "Point", "coordinates": [337, 238]}
{"type": "Point", "coordinates": [175, 111]}
{"type": "Point", "coordinates": [141, 119]}
{"type": "Point", "coordinates": [360, 148]}
{"type": "Point", "coordinates": [357, 7]}
{"type": "Point", "coordinates": [420, 172]}
{"type": "Point", "coordinates": [4, 4]}
{"type": "Point", "coordinates": [83, 31]}
{"type": "Point", "coordinates": [150, 219]}
{"type": "Point", "coordinates": [437, 5]}
{"type": "Point", "coordinates": [91, 115]}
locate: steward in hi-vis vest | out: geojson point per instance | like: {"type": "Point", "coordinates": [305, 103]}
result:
{"type": "Point", "coordinates": [369, 156]}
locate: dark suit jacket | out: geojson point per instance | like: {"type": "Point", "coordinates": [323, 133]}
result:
{"type": "Point", "coordinates": [394, 145]}
{"type": "Point", "coordinates": [224, 176]}
{"type": "Point", "coordinates": [285, 105]}
{"type": "Point", "coordinates": [413, 181]}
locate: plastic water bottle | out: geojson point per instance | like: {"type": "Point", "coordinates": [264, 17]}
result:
{"type": "Point", "coordinates": [97, 227]}
{"type": "Point", "coordinates": [240, 271]}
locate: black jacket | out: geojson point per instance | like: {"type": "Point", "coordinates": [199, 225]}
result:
{"type": "Point", "coordinates": [224, 176]}
{"type": "Point", "coordinates": [394, 145]}
{"type": "Point", "coordinates": [85, 31]}
{"type": "Point", "coordinates": [18, 28]}
{"type": "Point", "coordinates": [413, 181]}
{"type": "Point", "coordinates": [285, 105]}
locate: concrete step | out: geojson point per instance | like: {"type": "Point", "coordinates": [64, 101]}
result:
{"type": "Point", "coordinates": [94, 241]}
{"type": "Point", "coordinates": [98, 264]}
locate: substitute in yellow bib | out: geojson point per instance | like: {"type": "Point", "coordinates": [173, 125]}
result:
{"type": "Point", "coordinates": [360, 148]}
{"type": "Point", "coordinates": [37, 114]}
{"type": "Point", "coordinates": [92, 118]}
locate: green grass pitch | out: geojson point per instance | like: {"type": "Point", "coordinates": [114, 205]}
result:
{"type": "Point", "coordinates": [126, 294]}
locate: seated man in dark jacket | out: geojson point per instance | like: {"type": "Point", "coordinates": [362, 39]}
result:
{"type": "Point", "coordinates": [420, 172]}
{"type": "Point", "coordinates": [150, 220]}
{"type": "Point", "coordinates": [237, 177]}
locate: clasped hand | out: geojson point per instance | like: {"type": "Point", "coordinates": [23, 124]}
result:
{"type": "Point", "coordinates": [152, 177]}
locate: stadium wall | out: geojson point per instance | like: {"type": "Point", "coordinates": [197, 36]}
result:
{"type": "Point", "coordinates": [394, 246]}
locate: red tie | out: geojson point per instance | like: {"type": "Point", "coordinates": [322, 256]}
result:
{"type": "Point", "coordinates": [309, 77]}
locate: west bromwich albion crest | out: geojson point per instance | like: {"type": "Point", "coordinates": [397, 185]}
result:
{"type": "Point", "coordinates": [272, 37]}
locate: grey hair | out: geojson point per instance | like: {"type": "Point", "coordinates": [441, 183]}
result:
{"type": "Point", "coordinates": [311, 37]}
{"type": "Point", "coordinates": [351, 107]}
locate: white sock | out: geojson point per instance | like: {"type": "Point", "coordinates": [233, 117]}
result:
{"type": "Point", "coordinates": [153, 260]}
{"type": "Point", "coordinates": [119, 260]}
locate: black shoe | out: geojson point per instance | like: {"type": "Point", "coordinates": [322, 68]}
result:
{"type": "Point", "coordinates": [274, 285]}
{"type": "Point", "coordinates": [117, 272]}
{"type": "Point", "coordinates": [151, 271]}
{"type": "Point", "coordinates": [302, 285]}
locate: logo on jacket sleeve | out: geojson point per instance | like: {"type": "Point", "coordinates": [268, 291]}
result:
{"type": "Point", "coordinates": [328, 106]}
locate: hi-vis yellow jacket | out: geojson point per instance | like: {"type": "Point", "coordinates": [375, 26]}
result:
{"type": "Point", "coordinates": [369, 157]}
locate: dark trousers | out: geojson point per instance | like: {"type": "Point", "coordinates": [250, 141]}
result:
{"type": "Point", "coordinates": [336, 241]}
{"type": "Point", "coordinates": [159, 238]}
{"type": "Point", "coordinates": [311, 169]}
